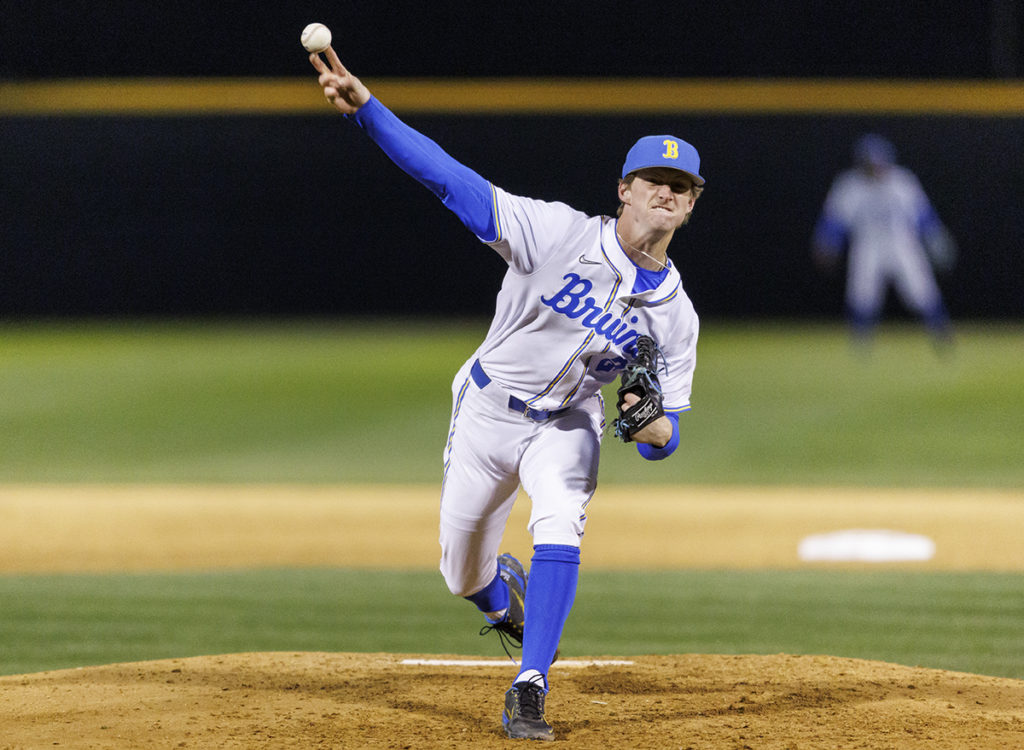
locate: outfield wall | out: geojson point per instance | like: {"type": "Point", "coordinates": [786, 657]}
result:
{"type": "Point", "coordinates": [272, 207]}
{"type": "Point", "coordinates": [186, 213]}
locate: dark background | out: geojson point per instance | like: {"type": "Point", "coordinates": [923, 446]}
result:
{"type": "Point", "coordinates": [874, 38]}
{"type": "Point", "coordinates": [272, 215]}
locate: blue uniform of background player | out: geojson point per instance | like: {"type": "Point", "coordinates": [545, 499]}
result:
{"type": "Point", "coordinates": [526, 406]}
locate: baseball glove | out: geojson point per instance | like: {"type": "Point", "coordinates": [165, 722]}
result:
{"type": "Point", "coordinates": [641, 379]}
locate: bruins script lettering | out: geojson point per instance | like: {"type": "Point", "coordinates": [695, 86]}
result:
{"type": "Point", "coordinates": [572, 302]}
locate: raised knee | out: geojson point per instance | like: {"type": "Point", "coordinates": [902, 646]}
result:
{"type": "Point", "coordinates": [461, 590]}
{"type": "Point", "coordinates": [461, 585]}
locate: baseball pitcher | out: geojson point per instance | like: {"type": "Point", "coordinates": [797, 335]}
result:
{"type": "Point", "coordinates": [586, 301]}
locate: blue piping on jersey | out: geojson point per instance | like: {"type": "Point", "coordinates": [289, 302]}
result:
{"type": "Point", "coordinates": [583, 375]}
{"type": "Point", "coordinates": [451, 432]}
{"type": "Point", "coordinates": [497, 215]}
{"type": "Point", "coordinates": [669, 296]}
{"type": "Point", "coordinates": [579, 381]}
{"type": "Point", "coordinates": [565, 368]}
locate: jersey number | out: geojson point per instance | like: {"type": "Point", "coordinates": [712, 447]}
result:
{"type": "Point", "coordinates": [614, 363]}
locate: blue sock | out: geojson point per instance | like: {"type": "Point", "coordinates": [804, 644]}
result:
{"type": "Point", "coordinates": [554, 572]}
{"type": "Point", "coordinates": [493, 597]}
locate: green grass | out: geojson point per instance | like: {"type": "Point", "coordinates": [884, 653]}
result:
{"type": "Point", "coordinates": [782, 405]}
{"type": "Point", "coordinates": [965, 622]}
{"type": "Point", "coordinates": [226, 401]}
{"type": "Point", "coordinates": [362, 401]}
{"type": "Point", "coordinates": [337, 401]}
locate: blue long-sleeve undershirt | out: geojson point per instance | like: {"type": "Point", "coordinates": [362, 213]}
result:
{"type": "Point", "coordinates": [468, 195]}
{"type": "Point", "coordinates": [830, 234]}
{"type": "Point", "coordinates": [928, 221]}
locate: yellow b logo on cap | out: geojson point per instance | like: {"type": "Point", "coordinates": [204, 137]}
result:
{"type": "Point", "coordinates": [671, 149]}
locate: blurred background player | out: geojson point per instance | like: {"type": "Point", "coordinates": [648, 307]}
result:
{"type": "Point", "coordinates": [526, 406]}
{"type": "Point", "coordinates": [879, 213]}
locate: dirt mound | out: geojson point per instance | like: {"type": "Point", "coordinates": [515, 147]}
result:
{"type": "Point", "coordinates": [319, 700]}
{"type": "Point", "coordinates": [313, 700]}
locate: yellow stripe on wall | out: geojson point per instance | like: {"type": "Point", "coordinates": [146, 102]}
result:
{"type": "Point", "coordinates": [158, 97]}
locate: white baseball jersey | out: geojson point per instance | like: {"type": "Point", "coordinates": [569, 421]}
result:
{"type": "Point", "coordinates": [883, 217]}
{"type": "Point", "coordinates": [526, 407]}
{"type": "Point", "coordinates": [565, 324]}
{"type": "Point", "coordinates": [566, 313]}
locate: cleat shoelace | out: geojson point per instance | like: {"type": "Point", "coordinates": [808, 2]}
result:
{"type": "Point", "coordinates": [506, 638]}
{"type": "Point", "coordinates": [531, 703]}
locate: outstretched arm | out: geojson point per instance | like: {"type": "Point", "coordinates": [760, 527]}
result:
{"type": "Point", "coordinates": [463, 191]}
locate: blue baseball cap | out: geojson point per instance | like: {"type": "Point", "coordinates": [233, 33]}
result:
{"type": "Point", "coordinates": [874, 149]}
{"type": "Point", "coordinates": [664, 151]}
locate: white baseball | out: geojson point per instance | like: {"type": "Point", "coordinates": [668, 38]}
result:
{"type": "Point", "coordinates": [316, 37]}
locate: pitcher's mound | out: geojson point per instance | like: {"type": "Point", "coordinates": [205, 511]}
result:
{"type": "Point", "coordinates": [312, 700]}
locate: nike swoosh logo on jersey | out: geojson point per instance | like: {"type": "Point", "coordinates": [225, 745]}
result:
{"type": "Point", "coordinates": [583, 259]}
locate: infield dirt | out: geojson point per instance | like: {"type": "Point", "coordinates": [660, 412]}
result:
{"type": "Point", "coordinates": [305, 700]}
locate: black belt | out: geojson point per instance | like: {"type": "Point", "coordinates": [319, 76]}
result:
{"type": "Point", "coordinates": [482, 380]}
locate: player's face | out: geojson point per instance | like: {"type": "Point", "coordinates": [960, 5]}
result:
{"type": "Point", "coordinates": [661, 197]}
{"type": "Point", "coordinates": [875, 170]}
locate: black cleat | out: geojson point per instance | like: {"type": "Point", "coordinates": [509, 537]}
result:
{"type": "Point", "coordinates": [523, 718]}
{"type": "Point", "coordinates": [510, 628]}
